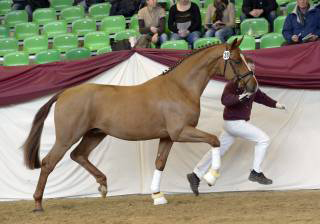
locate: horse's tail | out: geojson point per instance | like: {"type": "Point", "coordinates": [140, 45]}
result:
{"type": "Point", "coordinates": [32, 143]}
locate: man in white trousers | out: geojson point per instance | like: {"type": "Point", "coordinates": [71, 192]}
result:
{"type": "Point", "coordinates": [236, 117]}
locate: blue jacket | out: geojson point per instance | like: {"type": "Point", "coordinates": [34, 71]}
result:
{"type": "Point", "coordinates": [292, 25]}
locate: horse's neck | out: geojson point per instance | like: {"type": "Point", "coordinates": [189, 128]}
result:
{"type": "Point", "coordinates": [194, 73]}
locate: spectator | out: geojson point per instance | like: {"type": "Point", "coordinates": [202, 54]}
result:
{"type": "Point", "coordinates": [220, 20]}
{"type": "Point", "coordinates": [185, 21]}
{"type": "Point", "coordinates": [151, 20]}
{"type": "Point", "coordinates": [260, 8]}
{"type": "Point", "coordinates": [303, 24]}
{"type": "Point", "coordinates": [126, 8]}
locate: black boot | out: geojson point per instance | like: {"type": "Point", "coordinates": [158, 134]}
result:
{"type": "Point", "coordinates": [259, 177]}
{"type": "Point", "coordinates": [194, 183]}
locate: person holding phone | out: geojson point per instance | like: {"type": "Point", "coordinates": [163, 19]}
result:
{"type": "Point", "coordinates": [220, 20]}
{"type": "Point", "coordinates": [185, 21]}
{"type": "Point", "coordinates": [303, 24]}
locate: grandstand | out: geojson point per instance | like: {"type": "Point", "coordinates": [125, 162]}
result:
{"type": "Point", "coordinates": [65, 27]}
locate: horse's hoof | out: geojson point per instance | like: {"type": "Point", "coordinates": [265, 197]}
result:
{"type": "Point", "coordinates": [103, 191]}
{"type": "Point", "coordinates": [159, 199]}
{"type": "Point", "coordinates": [37, 210]}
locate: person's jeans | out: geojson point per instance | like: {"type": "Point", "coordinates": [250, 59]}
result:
{"type": "Point", "coordinates": [222, 34]}
{"type": "Point", "coordinates": [163, 38]}
{"type": "Point", "coordinates": [191, 38]}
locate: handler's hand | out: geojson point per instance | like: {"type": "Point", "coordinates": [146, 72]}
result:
{"type": "Point", "coordinates": [280, 106]}
{"type": "Point", "coordinates": [245, 95]}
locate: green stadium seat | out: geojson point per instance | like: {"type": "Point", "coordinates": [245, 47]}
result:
{"type": "Point", "coordinates": [278, 24]}
{"type": "Point", "coordinates": [24, 30]}
{"type": "Point", "coordinates": [203, 13]}
{"type": "Point", "coordinates": [255, 27]}
{"type": "Point", "coordinates": [16, 58]}
{"type": "Point", "coordinates": [65, 42]}
{"type": "Point", "coordinates": [55, 28]}
{"type": "Point", "coordinates": [238, 12]}
{"type": "Point", "coordinates": [282, 2]}
{"type": "Point", "coordinates": [99, 11]}
{"type": "Point", "coordinates": [175, 44]}
{"type": "Point", "coordinates": [134, 24]}
{"type": "Point", "coordinates": [43, 16]}
{"type": "Point", "coordinates": [96, 40]}
{"type": "Point", "coordinates": [125, 34]}
{"type": "Point", "coordinates": [35, 44]}
{"type": "Point", "coordinates": [104, 50]}
{"type": "Point", "coordinates": [81, 27]}
{"type": "Point", "coordinates": [248, 42]}
{"type": "Point", "coordinates": [47, 56]}
{"type": "Point", "coordinates": [72, 13]}
{"type": "Point", "coordinates": [58, 5]}
{"type": "Point", "coordinates": [113, 24]}
{"type": "Point", "coordinates": [8, 45]}
{"type": "Point", "coordinates": [5, 7]}
{"type": "Point", "coordinates": [168, 4]}
{"type": "Point", "coordinates": [271, 40]}
{"type": "Point", "coordinates": [290, 7]}
{"type": "Point", "coordinates": [4, 32]}
{"type": "Point", "coordinates": [77, 53]}
{"type": "Point", "coordinates": [202, 42]}
{"type": "Point", "coordinates": [15, 17]}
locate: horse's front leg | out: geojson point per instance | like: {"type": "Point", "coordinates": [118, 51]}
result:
{"type": "Point", "coordinates": [165, 145]}
{"type": "Point", "coordinates": [191, 134]}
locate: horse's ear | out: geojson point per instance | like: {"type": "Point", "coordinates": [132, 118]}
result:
{"type": "Point", "coordinates": [236, 43]}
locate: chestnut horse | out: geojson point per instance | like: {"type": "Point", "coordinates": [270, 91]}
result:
{"type": "Point", "coordinates": [165, 107]}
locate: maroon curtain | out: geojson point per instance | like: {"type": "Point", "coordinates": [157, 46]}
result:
{"type": "Point", "coordinates": [295, 66]}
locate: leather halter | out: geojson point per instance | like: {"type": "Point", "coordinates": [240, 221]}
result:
{"type": "Point", "coordinates": [228, 59]}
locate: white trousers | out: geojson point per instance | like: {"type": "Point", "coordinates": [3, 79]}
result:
{"type": "Point", "coordinates": [233, 129]}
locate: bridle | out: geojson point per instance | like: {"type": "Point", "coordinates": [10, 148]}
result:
{"type": "Point", "coordinates": [239, 77]}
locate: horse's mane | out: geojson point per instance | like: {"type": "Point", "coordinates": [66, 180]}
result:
{"type": "Point", "coordinates": [193, 52]}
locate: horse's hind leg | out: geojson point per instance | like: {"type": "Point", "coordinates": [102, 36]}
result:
{"type": "Point", "coordinates": [81, 153]}
{"type": "Point", "coordinates": [47, 165]}
{"type": "Point", "coordinates": [165, 145]}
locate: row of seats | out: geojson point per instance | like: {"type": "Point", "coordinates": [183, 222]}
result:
{"type": "Point", "coordinates": [269, 40]}
{"type": "Point", "coordinates": [33, 44]}
{"type": "Point", "coordinates": [22, 58]}
{"type": "Point", "coordinates": [73, 53]}
{"type": "Point", "coordinates": [46, 15]}
{"type": "Point", "coordinates": [111, 24]}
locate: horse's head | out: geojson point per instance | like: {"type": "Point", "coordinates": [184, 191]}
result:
{"type": "Point", "coordinates": [234, 66]}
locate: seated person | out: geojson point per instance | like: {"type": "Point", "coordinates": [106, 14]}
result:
{"type": "Point", "coordinates": [185, 21]}
{"type": "Point", "coordinates": [260, 8]}
{"type": "Point", "coordinates": [152, 20]}
{"type": "Point", "coordinates": [220, 20]}
{"type": "Point", "coordinates": [303, 24]}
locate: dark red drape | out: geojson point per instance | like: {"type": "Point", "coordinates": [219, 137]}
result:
{"type": "Point", "coordinates": [290, 67]}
